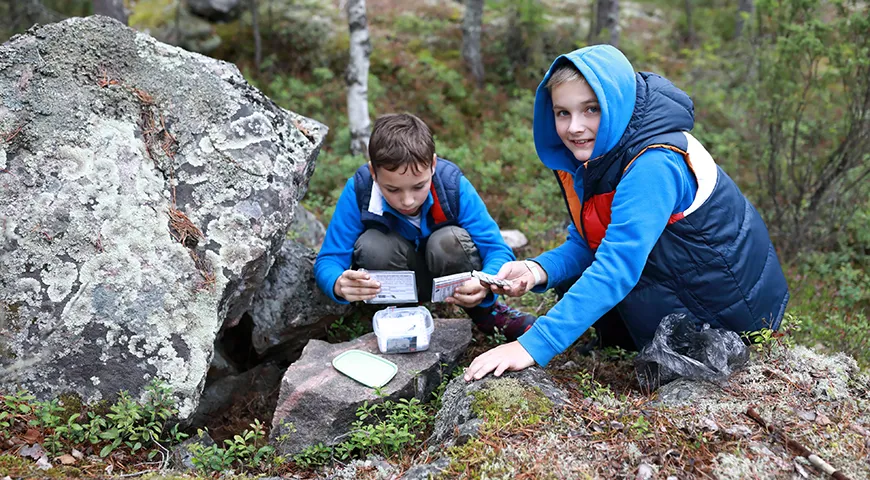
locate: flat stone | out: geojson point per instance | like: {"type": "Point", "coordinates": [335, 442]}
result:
{"type": "Point", "coordinates": [321, 403]}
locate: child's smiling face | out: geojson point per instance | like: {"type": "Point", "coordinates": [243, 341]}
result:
{"type": "Point", "coordinates": [577, 117]}
{"type": "Point", "coordinates": [405, 189]}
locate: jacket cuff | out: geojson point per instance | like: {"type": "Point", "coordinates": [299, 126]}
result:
{"type": "Point", "coordinates": [537, 345]}
{"type": "Point", "coordinates": [550, 268]}
{"type": "Point", "coordinates": [331, 292]}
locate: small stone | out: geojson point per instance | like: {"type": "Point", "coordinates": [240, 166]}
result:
{"type": "Point", "coordinates": [823, 419]}
{"type": "Point", "coordinates": [709, 424]}
{"type": "Point", "coordinates": [644, 472]}
{"type": "Point", "coordinates": [617, 425]}
{"type": "Point", "coordinates": [739, 431]}
{"type": "Point", "coordinates": [43, 463]}
{"type": "Point", "coordinates": [514, 238]}
{"type": "Point", "coordinates": [806, 415]}
{"type": "Point", "coordinates": [77, 454]}
{"type": "Point", "coordinates": [34, 451]}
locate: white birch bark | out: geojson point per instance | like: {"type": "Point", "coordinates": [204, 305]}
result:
{"type": "Point", "coordinates": [472, 28]}
{"type": "Point", "coordinates": [357, 77]}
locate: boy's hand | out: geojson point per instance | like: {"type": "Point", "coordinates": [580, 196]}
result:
{"type": "Point", "coordinates": [510, 356]}
{"type": "Point", "coordinates": [469, 294]}
{"type": "Point", "coordinates": [517, 272]}
{"type": "Point", "coordinates": [354, 285]}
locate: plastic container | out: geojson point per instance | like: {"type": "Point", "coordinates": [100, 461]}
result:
{"type": "Point", "coordinates": [403, 330]}
{"type": "Point", "coordinates": [370, 370]}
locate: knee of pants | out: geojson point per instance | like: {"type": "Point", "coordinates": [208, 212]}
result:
{"type": "Point", "coordinates": [451, 250]}
{"type": "Point", "coordinates": [375, 250]}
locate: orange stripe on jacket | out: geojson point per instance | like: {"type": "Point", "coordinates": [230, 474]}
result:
{"type": "Point", "coordinates": [593, 217]}
{"type": "Point", "coordinates": [436, 210]}
{"type": "Point", "coordinates": [574, 203]}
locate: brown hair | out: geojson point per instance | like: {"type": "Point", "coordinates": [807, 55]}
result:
{"type": "Point", "coordinates": [567, 72]}
{"type": "Point", "coordinates": [401, 140]}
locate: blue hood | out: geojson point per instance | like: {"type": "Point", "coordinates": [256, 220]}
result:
{"type": "Point", "coordinates": [633, 106]}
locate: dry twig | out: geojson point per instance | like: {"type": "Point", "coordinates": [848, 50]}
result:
{"type": "Point", "coordinates": [797, 447]}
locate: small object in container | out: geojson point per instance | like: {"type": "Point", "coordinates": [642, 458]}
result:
{"type": "Point", "coordinates": [403, 330]}
{"type": "Point", "coordinates": [367, 369]}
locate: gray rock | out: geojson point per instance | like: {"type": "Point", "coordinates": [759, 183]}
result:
{"type": "Point", "coordinates": [102, 290]}
{"type": "Point", "coordinates": [515, 239]}
{"type": "Point", "coordinates": [181, 457]}
{"type": "Point", "coordinates": [429, 471]}
{"type": "Point", "coordinates": [255, 386]}
{"type": "Point", "coordinates": [457, 413]}
{"type": "Point", "coordinates": [289, 308]}
{"type": "Point", "coordinates": [215, 10]}
{"type": "Point", "coordinates": [321, 403]}
{"type": "Point", "coordinates": [307, 229]}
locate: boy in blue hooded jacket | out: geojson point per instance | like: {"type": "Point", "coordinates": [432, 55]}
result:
{"type": "Point", "coordinates": [657, 227]}
{"type": "Point", "coordinates": [407, 209]}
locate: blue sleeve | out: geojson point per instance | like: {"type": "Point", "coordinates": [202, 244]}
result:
{"type": "Point", "coordinates": [336, 253]}
{"type": "Point", "coordinates": [476, 220]}
{"type": "Point", "coordinates": [566, 261]}
{"type": "Point", "coordinates": [656, 185]}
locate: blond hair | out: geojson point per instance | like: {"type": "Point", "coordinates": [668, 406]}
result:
{"type": "Point", "coordinates": [567, 72]}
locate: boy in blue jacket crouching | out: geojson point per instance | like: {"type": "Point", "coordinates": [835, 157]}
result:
{"type": "Point", "coordinates": [407, 209]}
{"type": "Point", "coordinates": [657, 227]}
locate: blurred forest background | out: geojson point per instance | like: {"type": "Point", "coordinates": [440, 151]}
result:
{"type": "Point", "coordinates": [781, 91]}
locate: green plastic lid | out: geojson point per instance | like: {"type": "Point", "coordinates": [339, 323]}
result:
{"type": "Point", "coordinates": [367, 369]}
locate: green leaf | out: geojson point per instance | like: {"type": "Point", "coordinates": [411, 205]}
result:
{"type": "Point", "coordinates": [106, 450]}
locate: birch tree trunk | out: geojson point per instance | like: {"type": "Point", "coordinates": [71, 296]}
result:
{"type": "Point", "coordinates": [606, 20]}
{"type": "Point", "coordinates": [111, 8]}
{"type": "Point", "coordinates": [357, 77]}
{"type": "Point", "coordinates": [472, 28]}
{"type": "Point", "coordinates": [744, 10]}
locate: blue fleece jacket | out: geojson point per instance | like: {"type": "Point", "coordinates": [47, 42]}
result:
{"type": "Point", "coordinates": [657, 185]}
{"type": "Point", "coordinates": [336, 253]}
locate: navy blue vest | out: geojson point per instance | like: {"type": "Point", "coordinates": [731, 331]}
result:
{"type": "Point", "coordinates": [444, 189]}
{"type": "Point", "coordinates": [717, 264]}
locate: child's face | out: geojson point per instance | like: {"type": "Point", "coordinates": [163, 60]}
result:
{"type": "Point", "coordinates": [577, 117]}
{"type": "Point", "coordinates": [404, 189]}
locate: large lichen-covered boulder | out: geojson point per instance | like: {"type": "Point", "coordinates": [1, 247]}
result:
{"type": "Point", "coordinates": [289, 309]}
{"type": "Point", "coordinates": [144, 191]}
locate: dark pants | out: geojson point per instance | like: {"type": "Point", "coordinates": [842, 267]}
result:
{"type": "Point", "coordinates": [447, 251]}
{"type": "Point", "coordinates": [610, 329]}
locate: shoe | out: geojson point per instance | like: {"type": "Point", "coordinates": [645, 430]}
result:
{"type": "Point", "coordinates": [509, 321]}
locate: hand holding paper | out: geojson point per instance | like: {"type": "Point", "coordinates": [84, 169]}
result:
{"type": "Point", "coordinates": [355, 285]}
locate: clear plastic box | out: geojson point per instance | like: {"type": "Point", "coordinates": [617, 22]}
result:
{"type": "Point", "coordinates": [403, 330]}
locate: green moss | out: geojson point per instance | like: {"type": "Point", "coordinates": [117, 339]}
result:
{"type": "Point", "coordinates": [9, 464]}
{"type": "Point", "coordinates": [71, 403]}
{"type": "Point", "coordinates": [507, 402]}
{"type": "Point", "coordinates": [475, 460]}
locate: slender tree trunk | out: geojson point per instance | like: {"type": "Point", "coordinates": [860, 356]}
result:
{"type": "Point", "coordinates": [744, 12]}
{"type": "Point", "coordinates": [258, 42]}
{"type": "Point", "coordinates": [472, 28]}
{"type": "Point", "coordinates": [690, 24]}
{"type": "Point", "coordinates": [111, 8]}
{"type": "Point", "coordinates": [606, 20]}
{"type": "Point", "coordinates": [357, 77]}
